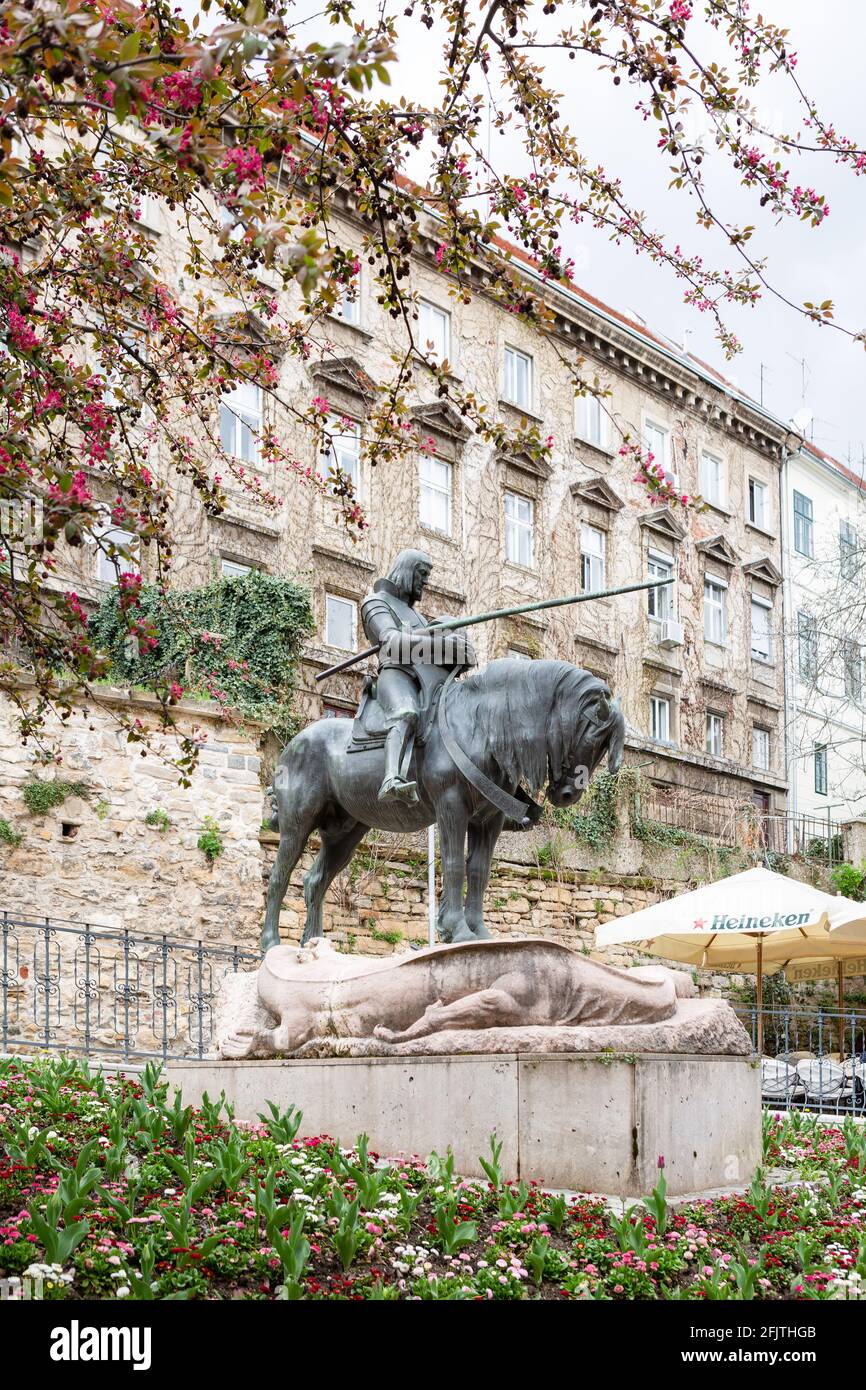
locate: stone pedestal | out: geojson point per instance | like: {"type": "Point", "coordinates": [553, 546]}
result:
{"type": "Point", "coordinates": [586, 1122]}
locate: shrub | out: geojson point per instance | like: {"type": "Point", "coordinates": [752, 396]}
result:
{"type": "Point", "coordinates": [8, 835]}
{"type": "Point", "coordinates": [210, 841]}
{"type": "Point", "coordinates": [159, 819]}
{"type": "Point", "coordinates": [42, 797]}
{"type": "Point", "coordinates": [850, 881]}
{"type": "Point", "coordinates": [236, 640]}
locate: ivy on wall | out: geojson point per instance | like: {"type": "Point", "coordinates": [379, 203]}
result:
{"type": "Point", "coordinates": [237, 641]}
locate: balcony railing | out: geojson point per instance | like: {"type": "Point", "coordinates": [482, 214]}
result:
{"type": "Point", "coordinates": [732, 824]}
{"type": "Point", "coordinates": [109, 994]}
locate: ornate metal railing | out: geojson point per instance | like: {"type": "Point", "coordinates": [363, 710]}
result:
{"type": "Point", "coordinates": [812, 1060]}
{"type": "Point", "coordinates": [78, 987]}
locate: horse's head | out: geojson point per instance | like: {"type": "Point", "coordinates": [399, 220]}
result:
{"type": "Point", "coordinates": [598, 728]}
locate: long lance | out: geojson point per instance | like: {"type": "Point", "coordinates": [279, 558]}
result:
{"type": "Point", "coordinates": [452, 624]}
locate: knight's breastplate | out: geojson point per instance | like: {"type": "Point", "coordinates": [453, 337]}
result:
{"type": "Point", "coordinates": [400, 614]}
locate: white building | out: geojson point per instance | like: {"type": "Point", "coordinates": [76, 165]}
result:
{"type": "Point", "coordinates": [823, 527]}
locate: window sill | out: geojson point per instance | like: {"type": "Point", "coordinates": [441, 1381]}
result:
{"type": "Point", "coordinates": [601, 451]}
{"type": "Point", "coordinates": [356, 328]}
{"type": "Point", "coordinates": [447, 538]}
{"type": "Point", "coordinates": [716, 646]}
{"type": "Point", "coordinates": [522, 410]}
{"type": "Point", "coordinates": [520, 569]}
{"type": "Point", "coordinates": [719, 507]}
{"type": "Point", "coordinates": [760, 530]}
{"type": "Point", "coordinates": [452, 374]}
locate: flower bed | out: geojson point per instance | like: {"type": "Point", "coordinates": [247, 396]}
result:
{"type": "Point", "coordinates": [109, 1191]}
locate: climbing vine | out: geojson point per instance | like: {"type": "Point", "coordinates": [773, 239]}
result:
{"type": "Point", "coordinates": [236, 641]}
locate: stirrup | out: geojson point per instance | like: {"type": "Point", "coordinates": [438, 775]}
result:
{"type": "Point", "coordinates": [398, 789]}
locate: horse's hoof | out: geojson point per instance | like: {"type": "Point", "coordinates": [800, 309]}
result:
{"type": "Point", "coordinates": [481, 933]}
{"type": "Point", "coordinates": [462, 933]}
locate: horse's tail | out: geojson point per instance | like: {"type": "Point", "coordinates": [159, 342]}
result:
{"type": "Point", "coordinates": [616, 744]}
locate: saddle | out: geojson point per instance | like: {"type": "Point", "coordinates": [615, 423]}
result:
{"type": "Point", "coordinates": [369, 729]}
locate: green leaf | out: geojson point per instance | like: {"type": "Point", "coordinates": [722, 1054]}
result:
{"type": "Point", "coordinates": [130, 46]}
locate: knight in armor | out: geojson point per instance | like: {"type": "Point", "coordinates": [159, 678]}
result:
{"type": "Point", "coordinates": [390, 619]}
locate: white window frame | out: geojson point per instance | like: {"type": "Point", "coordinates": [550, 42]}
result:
{"type": "Point", "coordinates": [434, 326]}
{"type": "Point", "coordinates": [763, 763]}
{"type": "Point", "coordinates": [657, 441]}
{"type": "Point", "coordinates": [714, 738]}
{"type": "Point", "coordinates": [519, 527]}
{"type": "Point", "coordinates": [715, 606]}
{"type": "Point", "coordinates": [849, 546]}
{"type": "Point", "coordinates": [433, 492]}
{"type": "Point", "coordinates": [233, 569]}
{"type": "Point", "coordinates": [342, 448]}
{"type": "Point", "coordinates": [241, 418]}
{"type": "Point", "coordinates": [765, 606]}
{"type": "Point", "coordinates": [591, 421]}
{"type": "Point", "coordinates": [712, 478]}
{"type": "Point", "coordinates": [661, 605]}
{"type": "Point", "coordinates": [758, 491]}
{"type": "Point", "coordinates": [108, 571]}
{"type": "Point", "coordinates": [347, 308]}
{"type": "Point", "coordinates": [593, 558]}
{"type": "Point", "coordinates": [660, 727]}
{"type": "Point", "coordinates": [341, 601]}
{"type": "Point", "coordinates": [821, 762]}
{"type": "Point", "coordinates": [512, 359]}
{"type": "Point", "coordinates": [803, 528]}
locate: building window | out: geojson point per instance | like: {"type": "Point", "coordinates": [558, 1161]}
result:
{"type": "Point", "coordinates": [848, 546]}
{"type": "Point", "coordinates": [517, 379]}
{"type": "Point", "coordinates": [343, 449]}
{"type": "Point", "coordinates": [591, 420]}
{"type": "Point", "coordinates": [591, 559]}
{"type": "Point", "coordinates": [655, 440]}
{"type": "Point", "coordinates": [340, 622]}
{"type": "Point", "coordinates": [715, 612]}
{"type": "Point", "coordinates": [434, 330]}
{"type": "Point", "coordinates": [759, 512]}
{"type": "Point", "coordinates": [803, 524]}
{"type": "Point", "coordinates": [437, 482]}
{"type": "Point", "coordinates": [337, 712]}
{"type": "Point", "coordinates": [852, 670]}
{"type": "Point", "coordinates": [348, 306]}
{"type": "Point", "coordinates": [712, 479]}
{"type": "Point", "coordinates": [660, 718]}
{"type": "Point", "coordinates": [715, 732]}
{"type": "Point", "coordinates": [807, 645]}
{"type": "Point", "coordinates": [519, 523]}
{"type": "Point", "coordinates": [110, 566]}
{"type": "Point", "coordinates": [517, 655]}
{"type": "Point", "coordinates": [231, 569]}
{"type": "Point", "coordinates": [241, 422]}
{"type": "Point", "coordinates": [660, 602]}
{"type": "Point", "coordinates": [760, 748]}
{"type": "Point", "coordinates": [820, 770]}
{"type": "Point", "coordinates": [762, 638]}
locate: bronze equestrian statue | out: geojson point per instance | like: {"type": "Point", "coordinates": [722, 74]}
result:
{"type": "Point", "coordinates": [429, 747]}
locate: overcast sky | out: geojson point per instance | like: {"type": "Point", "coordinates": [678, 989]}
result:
{"type": "Point", "coordinates": [803, 364]}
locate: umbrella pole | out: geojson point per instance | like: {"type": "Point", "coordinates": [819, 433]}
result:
{"type": "Point", "coordinates": [760, 996]}
{"type": "Point", "coordinates": [840, 988]}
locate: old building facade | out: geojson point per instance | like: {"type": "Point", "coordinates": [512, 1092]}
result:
{"type": "Point", "coordinates": [698, 666]}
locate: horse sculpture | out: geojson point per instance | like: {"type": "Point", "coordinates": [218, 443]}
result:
{"type": "Point", "coordinates": [516, 724]}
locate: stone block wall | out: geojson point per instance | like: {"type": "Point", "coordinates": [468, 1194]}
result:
{"type": "Point", "coordinates": [94, 859]}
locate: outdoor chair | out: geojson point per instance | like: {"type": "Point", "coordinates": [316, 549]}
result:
{"type": "Point", "coordinates": [826, 1085]}
{"type": "Point", "coordinates": [780, 1083]}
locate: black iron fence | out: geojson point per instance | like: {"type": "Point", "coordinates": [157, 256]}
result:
{"type": "Point", "coordinates": [813, 1060]}
{"type": "Point", "coordinates": [733, 824]}
{"type": "Point", "coordinates": [115, 994]}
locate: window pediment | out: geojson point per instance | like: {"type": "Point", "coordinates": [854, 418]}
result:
{"type": "Point", "coordinates": [441, 418]}
{"type": "Point", "coordinates": [598, 491]}
{"type": "Point", "coordinates": [765, 570]}
{"type": "Point", "coordinates": [525, 463]}
{"type": "Point", "coordinates": [343, 374]}
{"type": "Point", "coordinates": [664, 523]}
{"type": "Point", "coordinates": [717, 548]}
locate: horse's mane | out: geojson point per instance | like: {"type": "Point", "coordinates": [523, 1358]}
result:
{"type": "Point", "coordinates": [524, 714]}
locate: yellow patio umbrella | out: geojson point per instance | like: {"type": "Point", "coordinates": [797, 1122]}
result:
{"type": "Point", "coordinates": [752, 921]}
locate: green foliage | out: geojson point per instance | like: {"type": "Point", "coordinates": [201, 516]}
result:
{"type": "Point", "coordinates": [8, 835]}
{"type": "Point", "coordinates": [41, 797]}
{"type": "Point", "coordinates": [159, 819]}
{"type": "Point", "coordinates": [235, 640]}
{"type": "Point", "coordinates": [210, 841]}
{"type": "Point", "coordinates": [597, 821]}
{"type": "Point", "coordinates": [850, 881]}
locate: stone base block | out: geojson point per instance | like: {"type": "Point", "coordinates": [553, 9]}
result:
{"type": "Point", "coordinates": [587, 1122]}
